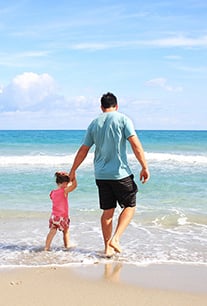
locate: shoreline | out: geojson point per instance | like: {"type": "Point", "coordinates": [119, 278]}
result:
{"type": "Point", "coordinates": [112, 283]}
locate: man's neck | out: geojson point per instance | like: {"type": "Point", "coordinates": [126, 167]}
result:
{"type": "Point", "coordinates": [110, 109]}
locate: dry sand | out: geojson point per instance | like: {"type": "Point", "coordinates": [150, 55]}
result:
{"type": "Point", "coordinates": [112, 284]}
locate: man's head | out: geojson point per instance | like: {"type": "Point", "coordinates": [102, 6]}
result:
{"type": "Point", "coordinates": [108, 100]}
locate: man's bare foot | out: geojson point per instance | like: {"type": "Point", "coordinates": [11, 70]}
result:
{"type": "Point", "coordinates": [115, 245]}
{"type": "Point", "coordinates": [67, 247]}
{"type": "Point", "coordinates": [109, 251]}
{"type": "Point", "coordinates": [108, 256]}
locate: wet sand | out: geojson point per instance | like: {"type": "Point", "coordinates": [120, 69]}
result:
{"type": "Point", "coordinates": [105, 284]}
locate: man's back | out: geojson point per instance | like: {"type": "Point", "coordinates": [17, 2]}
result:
{"type": "Point", "coordinates": [109, 133]}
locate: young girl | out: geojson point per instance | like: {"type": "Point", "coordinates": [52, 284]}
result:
{"type": "Point", "coordinates": [59, 218]}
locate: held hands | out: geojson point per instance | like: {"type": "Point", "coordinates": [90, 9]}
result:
{"type": "Point", "coordinates": [72, 175]}
{"type": "Point", "coordinates": [144, 175]}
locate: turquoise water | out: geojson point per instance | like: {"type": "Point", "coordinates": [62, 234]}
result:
{"type": "Point", "coordinates": [170, 224]}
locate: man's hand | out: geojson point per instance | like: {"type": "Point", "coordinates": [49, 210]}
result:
{"type": "Point", "coordinates": [144, 175]}
{"type": "Point", "coordinates": [72, 175]}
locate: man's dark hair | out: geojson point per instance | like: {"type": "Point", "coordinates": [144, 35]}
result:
{"type": "Point", "coordinates": [108, 100]}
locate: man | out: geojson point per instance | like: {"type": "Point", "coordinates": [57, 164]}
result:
{"type": "Point", "coordinates": [114, 179]}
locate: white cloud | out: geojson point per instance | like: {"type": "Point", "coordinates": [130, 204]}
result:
{"type": "Point", "coordinates": [162, 83]}
{"type": "Point", "coordinates": [166, 42]}
{"type": "Point", "coordinates": [91, 46]}
{"type": "Point", "coordinates": [28, 91]}
{"type": "Point", "coordinates": [29, 80]}
{"type": "Point", "coordinates": [173, 57]}
{"type": "Point", "coordinates": [32, 101]}
{"type": "Point", "coordinates": [181, 41]}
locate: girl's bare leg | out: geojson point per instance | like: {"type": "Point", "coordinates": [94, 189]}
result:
{"type": "Point", "coordinates": [66, 238]}
{"type": "Point", "coordinates": [106, 224]}
{"type": "Point", "coordinates": [49, 238]}
{"type": "Point", "coordinates": [123, 221]}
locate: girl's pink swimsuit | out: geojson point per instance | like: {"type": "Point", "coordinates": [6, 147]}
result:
{"type": "Point", "coordinates": [59, 217]}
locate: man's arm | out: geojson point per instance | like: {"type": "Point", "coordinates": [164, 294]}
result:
{"type": "Point", "coordinates": [139, 153]}
{"type": "Point", "coordinates": [79, 158]}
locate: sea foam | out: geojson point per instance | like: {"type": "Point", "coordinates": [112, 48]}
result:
{"type": "Point", "coordinates": [66, 159]}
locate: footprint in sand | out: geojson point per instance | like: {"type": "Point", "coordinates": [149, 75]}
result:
{"type": "Point", "coordinates": [15, 283]}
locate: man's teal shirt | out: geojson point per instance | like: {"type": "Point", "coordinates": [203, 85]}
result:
{"type": "Point", "coordinates": [109, 132]}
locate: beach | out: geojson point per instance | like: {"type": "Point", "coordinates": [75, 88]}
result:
{"type": "Point", "coordinates": [164, 258]}
{"type": "Point", "coordinates": [101, 285]}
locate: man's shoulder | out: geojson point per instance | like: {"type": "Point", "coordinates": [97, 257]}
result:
{"type": "Point", "coordinates": [107, 117]}
{"type": "Point", "coordinates": [123, 117]}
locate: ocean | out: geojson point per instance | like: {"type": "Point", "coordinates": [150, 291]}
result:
{"type": "Point", "coordinates": [170, 223]}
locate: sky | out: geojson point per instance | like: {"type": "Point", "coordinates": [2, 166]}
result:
{"type": "Point", "coordinates": [57, 58]}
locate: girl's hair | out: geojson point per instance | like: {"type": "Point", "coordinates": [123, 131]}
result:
{"type": "Point", "coordinates": [62, 177]}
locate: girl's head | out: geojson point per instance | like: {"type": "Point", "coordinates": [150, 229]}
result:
{"type": "Point", "coordinates": [62, 177]}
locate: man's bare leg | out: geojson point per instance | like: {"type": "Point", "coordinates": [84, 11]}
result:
{"type": "Point", "coordinates": [123, 221]}
{"type": "Point", "coordinates": [106, 224]}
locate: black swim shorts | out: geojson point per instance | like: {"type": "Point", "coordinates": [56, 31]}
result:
{"type": "Point", "coordinates": [122, 191]}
